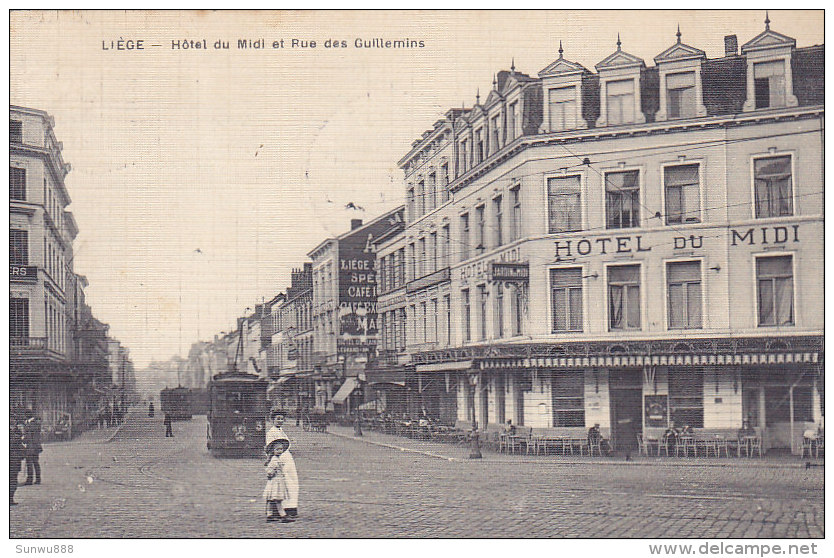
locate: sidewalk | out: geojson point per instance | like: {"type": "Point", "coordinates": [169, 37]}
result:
{"type": "Point", "coordinates": [97, 435]}
{"type": "Point", "coordinates": [453, 452]}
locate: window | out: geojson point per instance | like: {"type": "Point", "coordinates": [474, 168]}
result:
{"type": "Point", "coordinates": [463, 156]}
{"type": "Point", "coordinates": [467, 315]}
{"type": "Point", "coordinates": [499, 310]}
{"type": "Point", "coordinates": [433, 322]}
{"type": "Point", "coordinates": [562, 107]}
{"type": "Point", "coordinates": [430, 192]}
{"type": "Point", "coordinates": [432, 263]}
{"type": "Point", "coordinates": [620, 96]}
{"type": "Point", "coordinates": [421, 198]}
{"type": "Point", "coordinates": [402, 328]}
{"type": "Point", "coordinates": [447, 310]}
{"type": "Point", "coordinates": [515, 199]}
{"type": "Point", "coordinates": [680, 95]}
{"type": "Point", "coordinates": [624, 297]}
{"type": "Point", "coordinates": [464, 236]}
{"type": "Point", "coordinates": [683, 197]}
{"type": "Point", "coordinates": [686, 397]}
{"type": "Point", "coordinates": [684, 292]}
{"type": "Point", "coordinates": [483, 298]}
{"type": "Point", "coordinates": [412, 210]}
{"type": "Point", "coordinates": [423, 264]}
{"type": "Point", "coordinates": [18, 317]}
{"type": "Point", "coordinates": [412, 262]}
{"type": "Point", "coordinates": [18, 247]}
{"type": "Point", "coordinates": [512, 121]}
{"type": "Point", "coordinates": [479, 145]}
{"type": "Point", "coordinates": [15, 131]}
{"type": "Point", "coordinates": [401, 266]}
{"type": "Point", "coordinates": [568, 392]}
{"type": "Point", "coordinates": [495, 131]}
{"type": "Point", "coordinates": [446, 239]}
{"type": "Point", "coordinates": [424, 335]}
{"type": "Point", "coordinates": [517, 311]}
{"type": "Point", "coordinates": [566, 297]}
{"type": "Point", "coordinates": [17, 184]}
{"type": "Point", "coordinates": [622, 199]}
{"type": "Point", "coordinates": [382, 273]}
{"type": "Point", "coordinates": [769, 84]}
{"type": "Point", "coordinates": [775, 287]}
{"type": "Point", "coordinates": [564, 204]}
{"type": "Point", "coordinates": [499, 221]}
{"type": "Point", "coordinates": [480, 239]}
{"type": "Point", "coordinates": [774, 191]}
{"type": "Point", "coordinates": [444, 187]}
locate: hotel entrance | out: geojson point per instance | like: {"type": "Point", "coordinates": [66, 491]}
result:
{"type": "Point", "coordinates": [626, 387]}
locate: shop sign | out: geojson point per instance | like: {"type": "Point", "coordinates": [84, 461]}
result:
{"type": "Point", "coordinates": [23, 273]}
{"type": "Point", "coordinates": [480, 270]}
{"type": "Point", "coordinates": [656, 410]}
{"type": "Point", "coordinates": [504, 271]}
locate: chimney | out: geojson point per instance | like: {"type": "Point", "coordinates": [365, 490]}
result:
{"type": "Point", "coordinates": [730, 45]}
{"type": "Point", "coordinates": [355, 224]}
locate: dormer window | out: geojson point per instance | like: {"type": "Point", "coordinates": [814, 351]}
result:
{"type": "Point", "coordinates": [769, 84]}
{"type": "Point", "coordinates": [620, 101]}
{"type": "Point", "coordinates": [562, 108]}
{"type": "Point", "coordinates": [464, 156]}
{"type": "Point", "coordinates": [562, 82]}
{"type": "Point", "coordinates": [479, 145]}
{"type": "Point", "coordinates": [495, 131]}
{"type": "Point", "coordinates": [619, 86]}
{"type": "Point", "coordinates": [680, 95]}
{"type": "Point", "coordinates": [512, 119]}
{"type": "Point", "coordinates": [769, 76]}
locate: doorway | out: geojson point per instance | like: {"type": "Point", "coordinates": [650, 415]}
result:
{"type": "Point", "coordinates": [626, 388]}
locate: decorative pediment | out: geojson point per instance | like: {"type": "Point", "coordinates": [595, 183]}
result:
{"type": "Point", "coordinates": [620, 59]}
{"type": "Point", "coordinates": [768, 39]}
{"type": "Point", "coordinates": [679, 51]}
{"type": "Point", "coordinates": [561, 67]}
{"type": "Point", "coordinates": [494, 97]}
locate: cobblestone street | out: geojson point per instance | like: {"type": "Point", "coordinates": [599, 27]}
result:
{"type": "Point", "coordinates": [141, 484]}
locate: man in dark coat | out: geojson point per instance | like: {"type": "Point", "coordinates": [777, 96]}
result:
{"type": "Point", "coordinates": [15, 458]}
{"type": "Point", "coordinates": [33, 449]}
{"type": "Point", "coordinates": [169, 433]}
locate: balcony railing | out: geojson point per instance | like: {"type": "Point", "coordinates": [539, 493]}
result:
{"type": "Point", "coordinates": [27, 343]}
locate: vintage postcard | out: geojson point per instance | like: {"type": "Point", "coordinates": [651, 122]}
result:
{"type": "Point", "coordinates": [417, 274]}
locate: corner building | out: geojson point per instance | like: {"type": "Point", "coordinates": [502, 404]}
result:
{"type": "Point", "coordinates": [639, 246]}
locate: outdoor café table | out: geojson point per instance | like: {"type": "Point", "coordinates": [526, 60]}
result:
{"type": "Point", "coordinates": [748, 443]}
{"type": "Point", "coordinates": [544, 441]}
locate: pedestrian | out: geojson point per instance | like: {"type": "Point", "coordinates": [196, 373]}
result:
{"type": "Point", "coordinates": [15, 458]}
{"type": "Point", "coordinates": [276, 417]}
{"type": "Point", "coordinates": [150, 409]}
{"type": "Point", "coordinates": [169, 432]}
{"type": "Point", "coordinates": [33, 449]}
{"type": "Point", "coordinates": [275, 491]}
{"type": "Point", "coordinates": [290, 474]}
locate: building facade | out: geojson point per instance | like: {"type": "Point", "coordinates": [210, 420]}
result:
{"type": "Point", "coordinates": [635, 247]}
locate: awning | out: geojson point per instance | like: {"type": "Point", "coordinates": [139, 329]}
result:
{"type": "Point", "coordinates": [445, 366]}
{"type": "Point", "coordinates": [346, 389]}
{"type": "Point", "coordinates": [394, 376]}
{"type": "Point", "coordinates": [750, 359]}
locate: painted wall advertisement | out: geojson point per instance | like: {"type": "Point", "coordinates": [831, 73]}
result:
{"type": "Point", "coordinates": [358, 325]}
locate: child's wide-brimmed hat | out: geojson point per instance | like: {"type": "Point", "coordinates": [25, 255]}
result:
{"type": "Point", "coordinates": [270, 447]}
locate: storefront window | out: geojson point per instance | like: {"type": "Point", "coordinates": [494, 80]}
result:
{"type": "Point", "coordinates": [686, 397]}
{"type": "Point", "coordinates": [569, 398]}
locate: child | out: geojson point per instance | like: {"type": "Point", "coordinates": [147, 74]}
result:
{"type": "Point", "coordinates": [275, 433]}
{"type": "Point", "coordinates": [276, 430]}
{"type": "Point", "coordinates": [275, 491]}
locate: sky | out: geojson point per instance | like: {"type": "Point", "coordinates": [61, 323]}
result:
{"type": "Point", "coordinates": [201, 178]}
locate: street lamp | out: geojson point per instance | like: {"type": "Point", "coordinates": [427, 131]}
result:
{"type": "Point", "coordinates": [475, 443]}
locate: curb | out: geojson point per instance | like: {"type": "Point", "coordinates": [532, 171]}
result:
{"type": "Point", "coordinates": [753, 464]}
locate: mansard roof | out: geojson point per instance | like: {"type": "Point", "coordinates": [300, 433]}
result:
{"type": "Point", "coordinates": [620, 59]}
